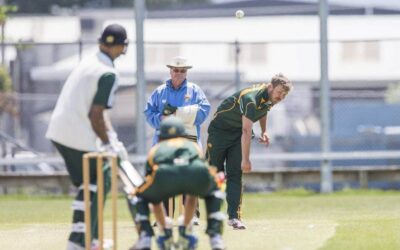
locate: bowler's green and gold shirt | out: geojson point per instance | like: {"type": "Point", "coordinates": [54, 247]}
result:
{"type": "Point", "coordinates": [252, 102]}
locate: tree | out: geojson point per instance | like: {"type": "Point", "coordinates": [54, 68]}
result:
{"type": "Point", "coordinates": [4, 10]}
{"type": "Point", "coordinates": [5, 80]}
{"type": "Point", "coordinates": [392, 93]}
{"type": "Point", "coordinates": [8, 102]}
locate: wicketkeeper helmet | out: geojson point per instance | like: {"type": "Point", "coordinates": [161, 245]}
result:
{"type": "Point", "coordinates": [171, 127]}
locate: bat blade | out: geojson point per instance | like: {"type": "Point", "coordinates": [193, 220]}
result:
{"type": "Point", "coordinates": [129, 176]}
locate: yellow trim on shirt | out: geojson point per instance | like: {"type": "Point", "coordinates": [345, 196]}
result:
{"type": "Point", "coordinates": [225, 110]}
{"type": "Point", "coordinates": [248, 90]}
{"type": "Point", "coordinates": [150, 156]}
{"type": "Point", "coordinates": [149, 180]}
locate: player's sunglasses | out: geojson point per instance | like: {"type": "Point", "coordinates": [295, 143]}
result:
{"type": "Point", "coordinates": [180, 71]}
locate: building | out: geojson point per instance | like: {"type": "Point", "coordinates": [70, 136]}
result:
{"type": "Point", "coordinates": [363, 56]}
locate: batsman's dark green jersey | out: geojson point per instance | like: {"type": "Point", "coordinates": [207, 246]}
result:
{"type": "Point", "coordinates": [224, 149]}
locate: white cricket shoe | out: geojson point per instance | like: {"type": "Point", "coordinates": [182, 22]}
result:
{"type": "Point", "coordinates": [143, 243]}
{"type": "Point", "coordinates": [236, 224]}
{"type": "Point", "coordinates": [107, 244]}
{"type": "Point", "coordinates": [216, 242]}
{"type": "Point", "coordinates": [196, 221]}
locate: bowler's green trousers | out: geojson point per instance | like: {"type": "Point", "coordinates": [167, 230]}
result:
{"type": "Point", "coordinates": [224, 151]}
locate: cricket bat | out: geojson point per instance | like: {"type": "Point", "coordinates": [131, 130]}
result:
{"type": "Point", "coordinates": [129, 176]}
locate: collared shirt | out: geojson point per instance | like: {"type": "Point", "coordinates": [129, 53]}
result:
{"type": "Point", "coordinates": [187, 94]}
{"type": "Point", "coordinates": [252, 102]}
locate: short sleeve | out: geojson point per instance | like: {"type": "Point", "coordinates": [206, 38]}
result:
{"type": "Point", "coordinates": [105, 90]}
{"type": "Point", "coordinates": [248, 107]}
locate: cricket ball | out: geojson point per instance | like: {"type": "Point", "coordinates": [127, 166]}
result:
{"type": "Point", "coordinates": [239, 14]}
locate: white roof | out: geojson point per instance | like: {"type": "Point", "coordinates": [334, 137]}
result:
{"type": "Point", "coordinates": [260, 29]}
{"type": "Point", "coordinates": [47, 29]}
{"type": "Point", "coordinates": [299, 63]}
{"type": "Point", "coordinates": [60, 70]}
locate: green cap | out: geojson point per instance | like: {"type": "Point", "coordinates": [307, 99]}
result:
{"type": "Point", "coordinates": [171, 127]}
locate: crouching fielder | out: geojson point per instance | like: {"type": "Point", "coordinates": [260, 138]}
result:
{"type": "Point", "coordinates": [175, 166]}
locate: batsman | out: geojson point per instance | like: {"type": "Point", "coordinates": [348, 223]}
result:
{"type": "Point", "coordinates": [80, 120]}
{"type": "Point", "coordinates": [175, 166]}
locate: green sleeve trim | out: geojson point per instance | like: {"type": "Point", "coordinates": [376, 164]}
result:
{"type": "Point", "coordinates": [104, 90]}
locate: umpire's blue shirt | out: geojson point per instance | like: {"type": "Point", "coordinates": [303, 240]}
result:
{"type": "Point", "coordinates": [188, 94]}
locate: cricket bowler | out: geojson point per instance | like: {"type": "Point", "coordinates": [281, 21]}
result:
{"type": "Point", "coordinates": [230, 133]}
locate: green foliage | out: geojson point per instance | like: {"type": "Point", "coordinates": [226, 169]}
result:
{"type": "Point", "coordinates": [392, 94]}
{"type": "Point", "coordinates": [5, 80]}
{"type": "Point", "coordinates": [4, 10]}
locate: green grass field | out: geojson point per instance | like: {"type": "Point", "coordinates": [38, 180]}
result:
{"type": "Point", "coordinates": [285, 220]}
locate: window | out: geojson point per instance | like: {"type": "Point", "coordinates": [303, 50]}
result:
{"type": "Point", "coordinates": [88, 24]}
{"type": "Point", "coordinates": [250, 53]}
{"type": "Point", "coordinates": [160, 54]}
{"type": "Point", "coordinates": [360, 51]}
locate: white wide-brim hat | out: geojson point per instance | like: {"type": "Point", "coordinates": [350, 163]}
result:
{"type": "Point", "coordinates": [179, 62]}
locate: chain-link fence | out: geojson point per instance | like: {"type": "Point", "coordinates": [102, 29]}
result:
{"type": "Point", "coordinates": [363, 112]}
